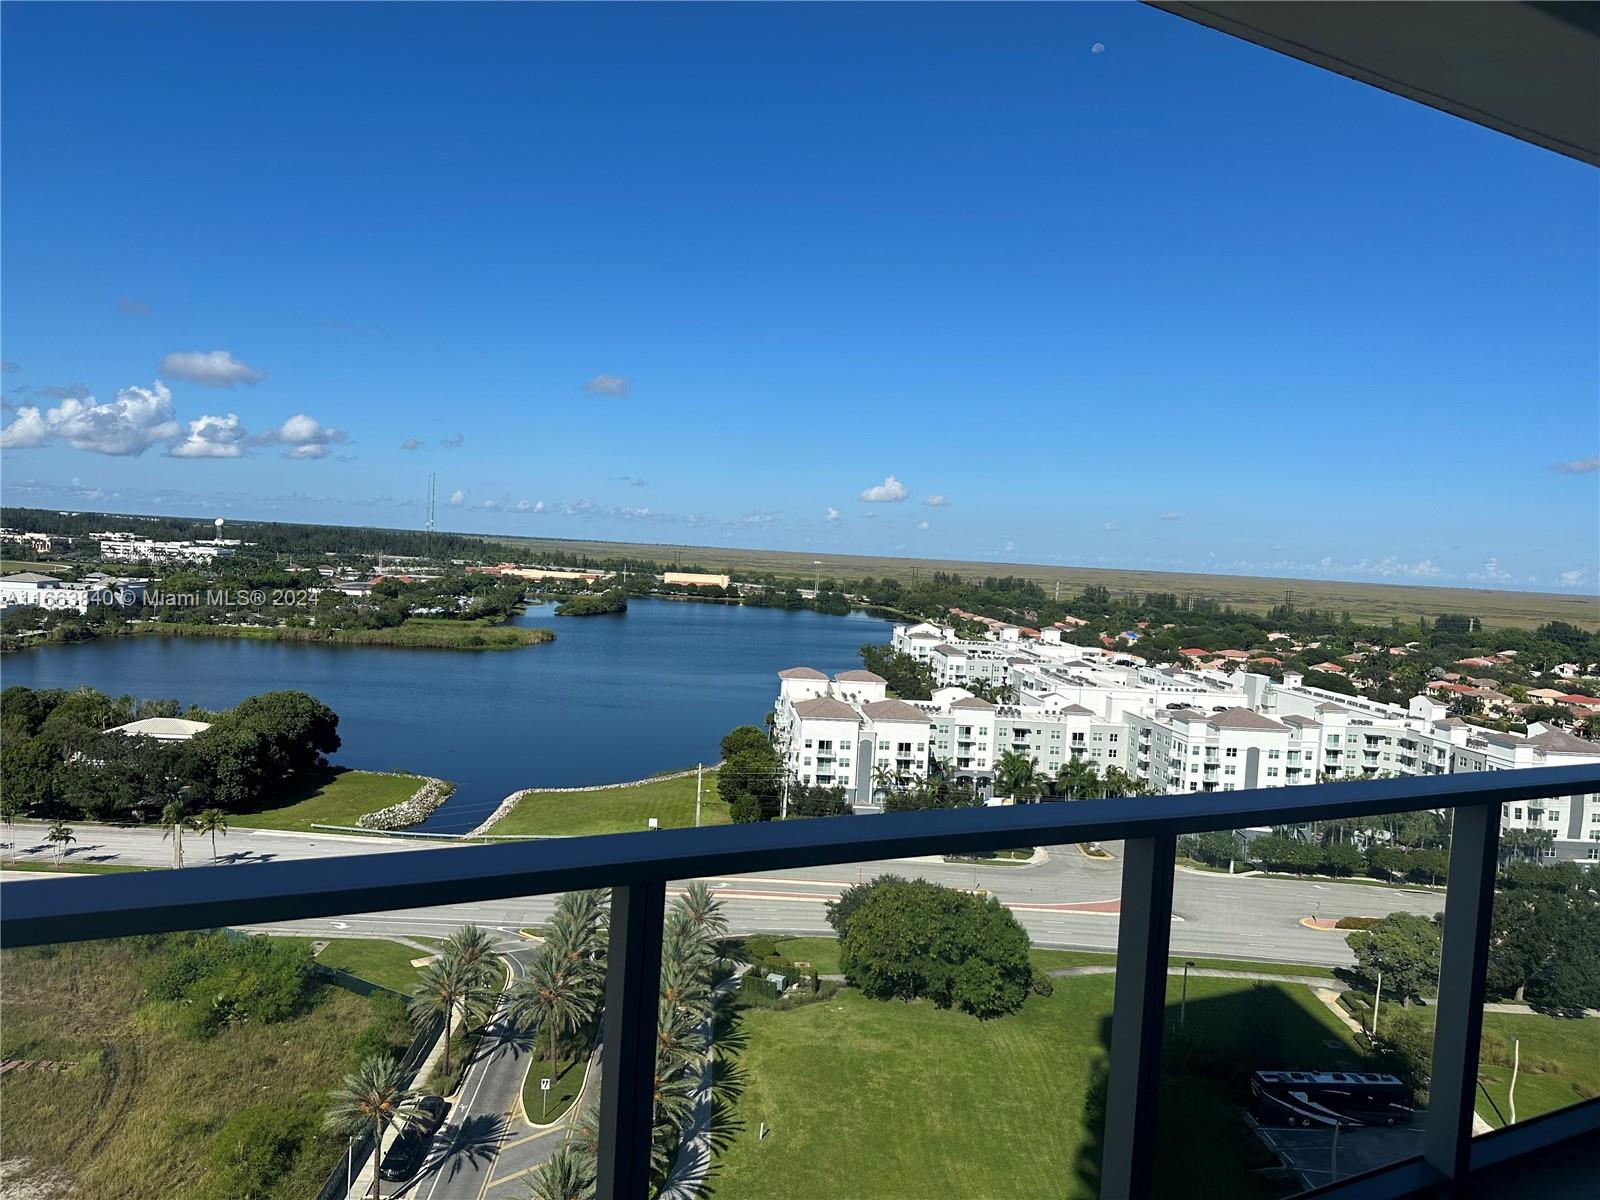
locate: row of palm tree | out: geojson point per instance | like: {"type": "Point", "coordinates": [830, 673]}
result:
{"type": "Point", "coordinates": [460, 983]}
{"type": "Point", "coordinates": [177, 816]}
{"type": "Point", "coordinates": [1017, 776]}
{"type": "Point", "coordinates": [692, 945]}
{"type": "Point", "coordinates": [564, 985]}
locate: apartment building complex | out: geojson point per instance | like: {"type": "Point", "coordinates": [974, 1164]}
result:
{"type": "Point", "coordinates": [1195, 730]}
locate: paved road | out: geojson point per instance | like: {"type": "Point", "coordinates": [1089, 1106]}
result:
{"type": "Point", "coordinates": [1214, 915]}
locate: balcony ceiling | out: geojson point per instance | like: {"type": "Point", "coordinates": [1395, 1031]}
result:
{"type": "Point", "coordinates": [1529, 70]}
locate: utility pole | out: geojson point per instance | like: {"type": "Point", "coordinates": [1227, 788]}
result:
{"type": "Point", "coordinates": [699, 769]}
{"type": "Point", "coordinates": [783, 803]}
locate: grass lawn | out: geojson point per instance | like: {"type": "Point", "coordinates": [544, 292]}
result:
{"type": "Point", "coordinates": [615, 810]}
{"type": "Point", "coordinates": [996, 1109]}
{"type": "Point", "coordinates": [70, 868]}
{"type": "Point", "coordinates": [821, 952]}
{"type": "Point", "coordinates": [138, 1114]}
{"type": "Point", "coordinates": [377, 960]}
{"type": "Point", "coordinates": [543, 1108]}
{"type": "Point", "coordinates": [337, 798]}
{"type": "Point", "coordinates": [1570, 1046]}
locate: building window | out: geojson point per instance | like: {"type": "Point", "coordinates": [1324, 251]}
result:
{"type": "Point", "coordinates": [1271, 771]}
{"type": "Point", "coordinates": [1274, 754]}
{"type": "Point", "coordinates": [1233, 752]}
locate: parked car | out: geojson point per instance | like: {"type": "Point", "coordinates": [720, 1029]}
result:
{"type": "Point", "coordinates": [406, 1153]}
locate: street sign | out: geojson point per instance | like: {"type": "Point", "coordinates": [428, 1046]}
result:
{"type": "Point", "coordinates": [544, 1085]}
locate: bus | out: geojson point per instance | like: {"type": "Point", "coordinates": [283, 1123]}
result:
{"type": "Point", "coordinates": [1307, 1098]}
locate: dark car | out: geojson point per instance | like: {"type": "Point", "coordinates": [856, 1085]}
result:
{"type": "Point", "coordinates": [406, 1153]}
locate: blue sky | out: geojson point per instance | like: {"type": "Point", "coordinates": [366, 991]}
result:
{"type": "Point", "coordinates": [716, 274]}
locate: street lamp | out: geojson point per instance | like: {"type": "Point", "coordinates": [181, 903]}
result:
{"type": "Point", "coordinates": [816, 578]}
{"type": "Point", "coordinates": [1183, 1005]}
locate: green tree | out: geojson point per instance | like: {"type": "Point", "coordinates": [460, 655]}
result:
{"type": "Point", "coordinates": [751, 782]}
{"type": "Point", "coordinates": [743, 738]}
{"type": "Point", "coordinates": [372, 1099]}
{"type": "Point", "coordinates": [1405, 948]}
{"type": "Point", "coordinates": [568, 1174]}
{"type": "Point", "coordinates": [1077, 779]}
{"type": "Point", "coordinates": [911, 939]}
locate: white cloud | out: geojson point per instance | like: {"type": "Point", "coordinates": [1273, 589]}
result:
{"type": "Point", "coordinates": [410, 444]}
{"type": "Point", "coordinates": [305, 436]}
{"type": "Point", "coordinates": [831, 514]}
{"type": "Point", "coordinates": [212, 437]}
{"type": "Point", "coordinates": [210, 368]}
{"type": "Point", "coordinates": [453, 442]}
{"type": "Point", "coordinates": [136, 420]}
{"type": "Point", "coordinates": [1491, 572]}
{"type": "Point", "coordinates": [890, 491]}
{"type": "Point", "coordinates": [1572, 578]}
{"type": "Point", "coordinates": [607, 385]}
{"type": "Point", "coordinates": [936, 502]}
{"type": "Point", "coordinates": [1580, 466]}
{"type": "Point", "coordinates": [923, 525]}
{"type": "Point", "coordinates": [1112, 526]}
{"type": "Point", "coordinates": [524, 507]}
{"type": "Point", "coordinates": [457, 498]}
{"type": "Point", "coordinates": [1169, 516]}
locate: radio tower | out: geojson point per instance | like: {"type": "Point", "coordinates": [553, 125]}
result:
{"type": "Point", "coordinates": [430, 509]}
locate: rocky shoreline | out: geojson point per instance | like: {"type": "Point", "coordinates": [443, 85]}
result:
{"type": "Point", "coordinates": [412, 811]}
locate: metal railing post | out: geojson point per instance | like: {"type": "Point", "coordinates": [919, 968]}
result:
{"type": "Point", "coordinates": [628, 1040]}
{"type": "Point", "coordinates": [1458, 1020]}
{"type": "Point", "coordinates": [1138, 1014]}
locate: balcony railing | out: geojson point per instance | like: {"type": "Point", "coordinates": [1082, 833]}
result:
{"type": "Point", "coordinates": [638, 866]}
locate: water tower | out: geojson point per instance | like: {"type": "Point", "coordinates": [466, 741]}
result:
{"type": "Point", "coordinates": [218, 524]}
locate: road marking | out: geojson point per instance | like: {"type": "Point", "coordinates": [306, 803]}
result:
{"type": "Point", "coordinates": [465, 1110]}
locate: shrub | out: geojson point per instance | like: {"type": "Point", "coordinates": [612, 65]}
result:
{"type": "Point", "coordinates": [255, 1148]}
{"type": "Point", "coordinates": [218, 979]}
{"type": "Point", "coordinates": [1042, 984]}
{"type": "Point", "coordinates": [1357, 922]}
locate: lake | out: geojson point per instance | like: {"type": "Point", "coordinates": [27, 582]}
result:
{"type": "Point", "coordinates": [612, 698]}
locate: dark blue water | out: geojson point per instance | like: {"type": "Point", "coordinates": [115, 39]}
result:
{"type": "Point", "coordinates": [612, 698]}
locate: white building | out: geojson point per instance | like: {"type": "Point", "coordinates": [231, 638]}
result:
{"type": "Point", "coordinates": [125, 547]}
{"type": "Point", "coordinates": [1180, 730]}
{"type": "Point", "coordinates": [162, 729]}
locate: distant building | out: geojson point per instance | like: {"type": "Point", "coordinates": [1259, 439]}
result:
{"type": "Point", "coordinates": [163, 729]}
{"type": "Point", "coordinates": [124, 547]}
{"type": "Point", "coordinates": [694, 579]}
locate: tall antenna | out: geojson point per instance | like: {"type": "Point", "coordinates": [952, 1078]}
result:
{"type": "Point", "coordinates": [431, 478]}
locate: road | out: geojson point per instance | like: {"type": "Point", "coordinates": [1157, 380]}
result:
{"type": "Point", "coordinates": [1068, 901]}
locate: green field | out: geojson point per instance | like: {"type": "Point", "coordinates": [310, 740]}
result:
{"type": "Point", "coordinates": [615, 810]}
{"type": "Point", "coordinates": [542, 1107]}
{"type": "Point", "coordinates": [875, 1099]}
{"type": "Point", "coordinates": [1560, 1065]}
{"type": "Point", "coordinates": [1365, 601]}
{"type": "Point", "coordinates": [137, 1115]}
{"type": "Point", "coordinates": [377, 960]}
{"type": "Point", "coordinates": [337, 798]}
{"type": "Point", "coordinates": [10, 566]}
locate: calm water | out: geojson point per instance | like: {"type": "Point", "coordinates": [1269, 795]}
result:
{"type": "Point", "coordinates": [612, 698]}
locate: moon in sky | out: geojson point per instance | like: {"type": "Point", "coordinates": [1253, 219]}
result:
{"type": "Point", "coordinates": [1098, 48]}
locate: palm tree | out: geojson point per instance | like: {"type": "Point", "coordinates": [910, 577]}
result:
{"type": "Point", "coordinates": [374, 1098]}
{"type": "Point", "coordinates": [212, 821]}
{"type": "Point", "coordinates": [1077, 776]}
{"type": "Point", "coordinates": [175, 819]}
{"type": "Point", "coordinates": [473, 949]}
{"type": "Point", "coordinates": [446, 985]}
{"type": "Point", "coordinates": [704, 911]}
{"type": "Point", "coordinates": [554, 996]}
{"type": "Point", "coordinates": [60, 834]}
{"type": "Point", "coordinates": [568, 1174]}
{"type": "Point", "coordinates": [1016, 776]}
